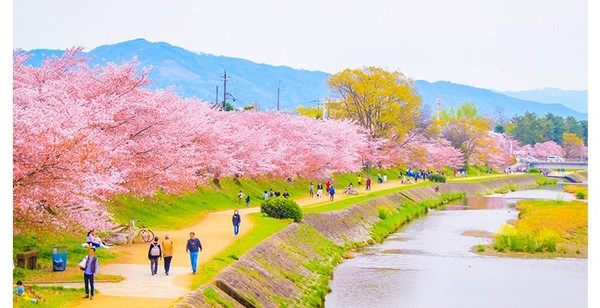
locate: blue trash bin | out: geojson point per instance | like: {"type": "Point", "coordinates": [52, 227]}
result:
{"type": "Point", "coordinates": [59, 259]}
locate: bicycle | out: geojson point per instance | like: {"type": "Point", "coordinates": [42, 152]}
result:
{"type": "Point", "coordinates": [142, 234]}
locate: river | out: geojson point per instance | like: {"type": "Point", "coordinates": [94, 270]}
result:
{"type": "Point", "coordinates": [429, 264]}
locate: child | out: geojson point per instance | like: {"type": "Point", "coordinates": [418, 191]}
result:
{"type": "Point", "coordinates": [20, 290]}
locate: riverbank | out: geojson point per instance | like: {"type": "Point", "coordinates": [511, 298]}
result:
{"type": "Point", "coordinates": [545, 229]}
{"type": "Point", "coordinates": [294, 266]}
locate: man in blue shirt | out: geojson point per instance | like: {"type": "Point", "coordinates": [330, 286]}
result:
{"type": "Point", "coordinates": [193, 247]}
{"type": "Point", "coordinates": [91, 268]}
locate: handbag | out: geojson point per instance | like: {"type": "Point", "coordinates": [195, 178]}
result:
{"type": "Point", "coordinates": [83, 263]}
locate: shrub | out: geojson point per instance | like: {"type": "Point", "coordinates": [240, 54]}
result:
{"type": "Point", "coordinates": [434, 177]}
{"type": "Point", "coordinates": [281, 208]}
{"type": "Point", "coordinates": [580, 195]}
{"type": "Point", "coordinates": [534, 170]}
{"type": "Point", "coordinates": [384, 212]}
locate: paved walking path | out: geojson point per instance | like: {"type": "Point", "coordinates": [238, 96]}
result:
{"type": "Point", "coordinates": [141, 289]}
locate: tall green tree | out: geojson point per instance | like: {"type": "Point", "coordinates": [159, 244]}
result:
{"type": "Point", "coordinates": [555, 127]}
{"type": "Point", "coordinates": [383, 102]}
{"type": "Point", "coordinates": [526, 128]}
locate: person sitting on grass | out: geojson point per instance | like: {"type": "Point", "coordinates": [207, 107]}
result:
{"type": "Point", "coordinates": [93, 240]}
{"type": "Point", "coordinates": [20, 291]}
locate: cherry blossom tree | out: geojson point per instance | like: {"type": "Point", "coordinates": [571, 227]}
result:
{"type": "Point", "coordinates": [83, 134]}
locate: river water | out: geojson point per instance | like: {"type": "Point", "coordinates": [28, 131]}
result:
{"type": "Point", "coordinates": [429, 264]}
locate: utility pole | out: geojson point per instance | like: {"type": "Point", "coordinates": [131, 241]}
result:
{"type": "Point", "coordinates": [278, 84]}
{"type": "Point", "coordinates": [224, 90]}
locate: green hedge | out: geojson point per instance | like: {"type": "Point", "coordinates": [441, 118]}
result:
{"type": "Point", "coordinates": [434, 177]}
{"type": "Point", "coordinates": [279, 207]}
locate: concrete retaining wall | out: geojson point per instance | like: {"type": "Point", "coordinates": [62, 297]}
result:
{"type": "Point", "coordinates": [294, 266]}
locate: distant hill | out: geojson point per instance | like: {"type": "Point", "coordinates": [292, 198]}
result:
{"type": "Point", "coordinates": [198, 74]}
{"type": "Point", "coordinates": [576, 100]}
{"type": "Point", "coordinates": [487, 101]}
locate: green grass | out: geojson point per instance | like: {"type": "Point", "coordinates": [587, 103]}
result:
{"type": "Point", "coordinates": [213, 298]}
{"type": "Point", "coordinates": [328, 206]}
{"type": "Point", "coordinates": [168, 211]}
{"type": "Point", "coordinates": [43, 271]}
{"type": "Point", "coordinates": [264, 227]}
{"type": "Point", "coordinates": [51, 297]}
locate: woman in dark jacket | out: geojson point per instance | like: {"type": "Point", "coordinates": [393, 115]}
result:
{"type": "Point", "coordinates": [236, 220]}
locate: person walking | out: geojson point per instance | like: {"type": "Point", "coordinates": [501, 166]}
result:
{"type": "Point", "coordinates": [192, 247]}
{"type": "Point", "coordinates": [327, 185]}
{"type": "Point", "coordinates": [311, 189]}
{"type": "Point", "coordinates": [359, 180]}
{"type": "Point", "coordinates": [167, 248]}
{"type": "Point", "coordinates": [154, 253]}
{"type": "Point", "coordinates": [236, 220]}
{"type": "Point", "coordinates": [368, 184]}
{"type": "Point", "coordinates": [331, 192]}
{"type": "Point", "coordinates": [240, 197]}
{"type": "Point", "coordinates": [89, 272]}
{"type": "Point", "coordinates": [319, 190]}
{"type": "Point", "coordinates": [248, 201]}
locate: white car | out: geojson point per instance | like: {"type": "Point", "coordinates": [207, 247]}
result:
{"type": "Point", "coordinates": [555, 159]}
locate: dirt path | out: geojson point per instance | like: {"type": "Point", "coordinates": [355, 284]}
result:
{"type": "Point", "coordinates": [141, 289]}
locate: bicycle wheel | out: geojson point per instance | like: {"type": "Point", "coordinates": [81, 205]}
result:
{"type": "Point", "coordinates": [146, 235]}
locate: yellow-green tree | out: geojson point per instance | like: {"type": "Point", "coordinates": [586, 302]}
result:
{"type": "Point", "coordinates": [383, 102]}
{"type": "Point", "coordinates": [572, 145]}
{"type": "Point", "coordinates": [313, 112]}
{"type": "Point", "coordinates": [467, 131]}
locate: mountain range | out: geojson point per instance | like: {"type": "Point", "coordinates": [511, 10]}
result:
{"type": "Point", "coordinates": [193, 74]}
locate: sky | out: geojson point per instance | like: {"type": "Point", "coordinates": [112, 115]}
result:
{"type": "Point", "coordinates": [500, 45]}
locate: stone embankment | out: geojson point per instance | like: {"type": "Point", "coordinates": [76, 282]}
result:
{"type": "Point", "coordinates": [294, 266]}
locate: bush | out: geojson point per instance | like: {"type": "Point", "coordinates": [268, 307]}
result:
{"type": "Point", "coordinates": [434, 177]}
{"type": "Point", "coordinates": [282, 208]}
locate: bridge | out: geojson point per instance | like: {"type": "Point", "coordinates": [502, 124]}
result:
{"type": "Point", "coordinates": [557, 165]}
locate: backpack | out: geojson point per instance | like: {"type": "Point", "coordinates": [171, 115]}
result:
{"type": "Point", "coordinates": [155, 251]}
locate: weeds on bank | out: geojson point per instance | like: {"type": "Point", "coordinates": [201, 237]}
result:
{"type": "Point", "coordinates": [264, 228]}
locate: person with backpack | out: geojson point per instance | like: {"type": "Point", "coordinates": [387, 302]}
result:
{"type": "Point", "coordinates": [331, 192]}
{"type": "Point", "coordinates": [167, 249]}
{"type": "Point", "coordinates": [154, 253]}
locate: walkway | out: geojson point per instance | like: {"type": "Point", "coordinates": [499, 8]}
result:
{"type": "Point", "coordinates": [141, 289]}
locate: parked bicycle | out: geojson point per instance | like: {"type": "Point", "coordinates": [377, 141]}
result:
{"type": "Point", "coordinates": [138, 234]}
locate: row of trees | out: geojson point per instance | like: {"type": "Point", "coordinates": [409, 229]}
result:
{"type": "Point", "coordinates": [387, 105]}
{"type": "Point", "coordinates": [83, 134]}
{"type": "Point", "coordinates": [529, 128]}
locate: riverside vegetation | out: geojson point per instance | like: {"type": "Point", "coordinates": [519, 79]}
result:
{"type": "Point", "coordinates": [169, 210]}
{"type": "Point", "coordinates": [545, 229]}
{"type": "Point", "coordinates": [294, 266]}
